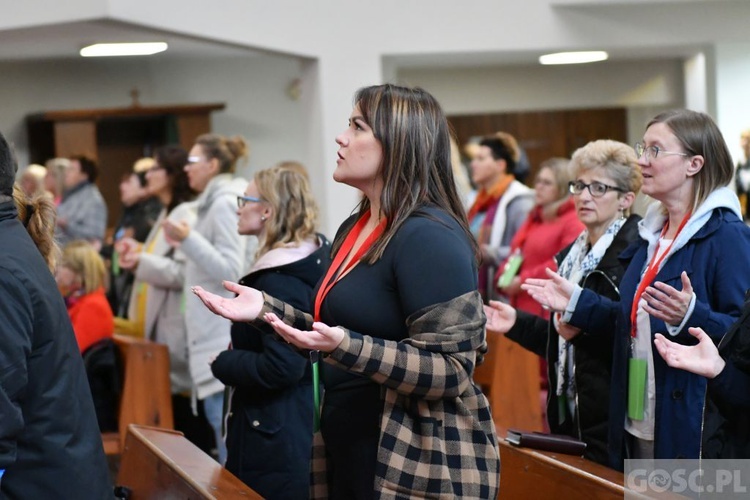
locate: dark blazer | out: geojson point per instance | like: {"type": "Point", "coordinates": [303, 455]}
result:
{"type": "Point", "coordinates": [50, 445]}
{"type": "Point", "coordinates": [726, 427]}
{"type": "Point", "coordinates": [269, 424]}
{"type": "Point", "coordinates": [592, 354]}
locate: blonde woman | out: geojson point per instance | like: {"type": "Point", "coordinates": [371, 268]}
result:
{"type": "Point", "coordinates": [270, 419]}
{"type": "Point", "coordinates": [81, 279]}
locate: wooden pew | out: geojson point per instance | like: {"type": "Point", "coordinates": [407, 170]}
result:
{"type": "Point", "coordinates": [160, 463]}
{"type": "Point", "coordinates": [541, 475]}
{"type": "Point", "coordinates": [509, 377]}
{"type": "Point", "coordinates": [146, 393]}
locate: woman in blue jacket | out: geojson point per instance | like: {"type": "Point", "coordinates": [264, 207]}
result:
{"type": "Point", "coordinates": [690, 267]}
{"type": "Point", "coordinates": [270, 418]}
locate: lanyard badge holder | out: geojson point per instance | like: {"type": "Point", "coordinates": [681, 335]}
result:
{"type": "Point", "coordinates": [638, 367]}
{"type": "Point", "coordinates": [334, 272]}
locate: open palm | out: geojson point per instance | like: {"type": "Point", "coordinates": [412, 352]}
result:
{"type": "Point", "coordinates": [701, 359]}
{"type": "Point", "coordinates": [553, 293]}
{"type": "Point", "coordinates": [500, 317]}
{"type": "Point", "coordinates": [245, 307]}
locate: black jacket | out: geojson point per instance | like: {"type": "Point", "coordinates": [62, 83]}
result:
{"type": "Point", "coordinates": [593, 354]}
{"type": "Point", "coordinates": [269, 425]}
{"type": "Point", "coordinates": [726, 426]}
{"type": "Point", "coordinates": [50, 445]}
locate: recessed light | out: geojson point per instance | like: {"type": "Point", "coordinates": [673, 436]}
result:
{"type": "Point", "coordinates": [123, 49]}
{"type": "Point", "coordinates": [574, 57]}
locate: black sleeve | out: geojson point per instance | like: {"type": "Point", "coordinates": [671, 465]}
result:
{"type": "Point", "coordinates": [730, 389]}
{"type": "Point", "coordinates": [278, 365]}
{"type": "Point", "coordinates": [531, 332]}
{"type": "Point", "coordinates": [434, 263]}
{"type": "Point", "coordinates": [15, 348]}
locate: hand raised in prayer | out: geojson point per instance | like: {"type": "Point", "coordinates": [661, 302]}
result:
{"type": "Point", "coordinates": [667, 303]}
{"type": "Point", "coordinates": [500, 317]}
{"type": "Point", "coordinates": [553, 294]}
{"type": "Point", "coordinates": [322, 338]}
{"type": "Point", "coordinates": [245, 306]}
{"type": "Point", "coordinates": [701, 359]}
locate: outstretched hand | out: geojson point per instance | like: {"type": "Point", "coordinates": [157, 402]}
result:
{"type": "Point", "coordinates": [553, 293]}
{"type": "Point", "coordinates": [500, 317]}
{"type": "Point", "coordinates": [701, 359]}
{"type": "Point", "coordinates": [666, 302]}
{"type": "Point", "coordinates": [322, 338]}
{"type": "Point", "coordinates": [245, 307]}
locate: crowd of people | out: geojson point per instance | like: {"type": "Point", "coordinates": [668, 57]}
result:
{"type": "Point", "coordinates": [344, 369]}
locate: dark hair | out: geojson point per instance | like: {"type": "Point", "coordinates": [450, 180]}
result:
{"type": "Point", "coordinates": [88, 166]}
{"type": "Point", "coordinates": [8, 168]}
{"type": "Point", "coordinates": [173, 158]}
{"type": "Point", "coordinates": [141, 178]}
{"type": "Point", "coordinates": [225, 149]}
{"type": "Point", "coordinates": [504, 147]}
{"type": "Point", "coordinates": [699, 135]}
{"type": "Point", "coordinates": [415, 137]}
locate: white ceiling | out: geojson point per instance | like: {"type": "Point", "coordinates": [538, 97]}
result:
{"type": "Point", "coordinates": [60, 41]}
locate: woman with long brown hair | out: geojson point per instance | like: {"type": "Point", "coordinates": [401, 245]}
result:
{"type": "Point", "coordinates": [401, 414]}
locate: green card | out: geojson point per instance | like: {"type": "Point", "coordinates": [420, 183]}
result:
{"type": "Point", "coordinates": [510, 269]}
{"type": "Point", "coordinates": [637, 369]}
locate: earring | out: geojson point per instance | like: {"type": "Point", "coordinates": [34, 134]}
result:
{"type": "Point", "coordinates": [263, 218]}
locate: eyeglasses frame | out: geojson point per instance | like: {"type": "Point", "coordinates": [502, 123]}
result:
{"type": "Point", "coordinates": [572, 184]}
{"type": "Point", "coordinates": [656, 151]}
{"type": "Point", "coordinates": [243, 200]}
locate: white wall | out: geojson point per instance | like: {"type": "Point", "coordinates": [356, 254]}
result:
{"type": "Point", "coordinates": [527, 88]}
{"type": "Point", "coordinates": [696, 83]}
{"type": "Point", "coordinates": [253, 88]}
{"type": "Point", "coordinates": [643, 87]}
{"type": "Point", "coordinates": [732, 73]}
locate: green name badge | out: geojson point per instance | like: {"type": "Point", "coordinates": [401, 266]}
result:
{"type": "Point", "coordinates": [510, 269]}
{"type": "Point", "coordinates": [636, 388]}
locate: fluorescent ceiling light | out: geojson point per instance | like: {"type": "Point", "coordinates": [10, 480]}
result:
{"type": "Point", "coordinates": [574, 57]}
{"type": "Point", "coordinates": [123, 49]}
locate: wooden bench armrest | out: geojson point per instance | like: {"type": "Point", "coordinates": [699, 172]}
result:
{"type": "Point", "coordinates": [161, 463]}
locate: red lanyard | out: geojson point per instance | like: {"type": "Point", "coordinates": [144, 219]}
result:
{"type": "Point", "coordinates": [651, 272]}
{"type": "Point", "coordinates": [346, 247]}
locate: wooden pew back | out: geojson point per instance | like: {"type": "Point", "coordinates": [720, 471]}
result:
{"type": "Point", "coordinates": [509, 378]}
{"type": "Point", "coordinates": [161, 464]}
{"type": "Point", "coordinates": [146, 393]}
{"type": "Point", "coordinates": [541, 475]}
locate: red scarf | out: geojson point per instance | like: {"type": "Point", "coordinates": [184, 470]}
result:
{"type": "Point", "coordinates": [331, 277]}
{"type": "Point", "coordinates": [486, 197]}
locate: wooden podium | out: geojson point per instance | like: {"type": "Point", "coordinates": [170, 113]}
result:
{"type": "Point", "coordinates": [115, 137]}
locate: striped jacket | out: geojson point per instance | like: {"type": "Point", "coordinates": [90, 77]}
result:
{"type": "Point", "coordinates": [437, 435]}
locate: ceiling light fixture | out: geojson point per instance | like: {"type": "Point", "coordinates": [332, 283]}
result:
{"type": "Point", "coordinates": [574, 57]}
{"type": "Point", "coordinates": [123, 49]}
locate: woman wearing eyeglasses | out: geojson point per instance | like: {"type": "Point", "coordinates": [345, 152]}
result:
{"type": "Point", "coordinates": [607, 179]}
{"type": "Point", "coordinates": [690, 267]}
{"type": "Point", "coordinates": [214, 251]}
{"type": "Point", "coordinates": [551, 226]}
{"type": "Point", "coordinates": [269, 423]}
{"type": "Point", "coordinates": [157, 304]}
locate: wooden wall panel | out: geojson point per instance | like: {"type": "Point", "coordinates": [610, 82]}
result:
{"type": "Point", "coordinates": [76, 138]}
{"type": "Point", "coordinates": [544, 134]}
